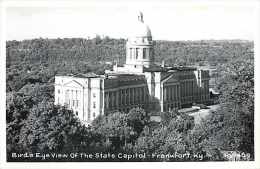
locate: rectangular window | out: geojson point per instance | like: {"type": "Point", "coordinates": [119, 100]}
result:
{"type": "Point", "coordinates": [131, 95]}
{"type": "Point", "coordinates": [164, 93]}
{"type": "Point", "coordinates": [112, 99]}
{"type": "Point", "coordinates": [136, 53]}
{"type": "Point", "coordinates": [137, 95]}
{"type": "Point", "coordinates": [123, 97]}
{"type": "Point", "coordinates": [88, 115]}
{"type": "Point", "coordinates": [171, 92]}
{"type": "Point", "coordinates": [144, 53]}
{"type": "Point", "coordinates": [126, 96]}
{"type": "Point", "coordinates": [168, 93]}
{"type": "Point", "coordinates": [67, 97]}
{"type": "Point", "coordinates": [192, 83]}
{"type": "Point", "coordinates": [109, 99]}
{"type": "Point", "coordinates": [94, 105]}
{"type": "Point", "coordinates": [140, 94]}
{"type": "Point", "coordinates": [131, 52]}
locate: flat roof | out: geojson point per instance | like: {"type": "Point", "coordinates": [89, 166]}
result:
{"type": "Point", "coordinates": [156, 68]}
{"type": "Point", "coordinates": [81, 75]}
{"type": "Point", "coordinates": [124, 76]}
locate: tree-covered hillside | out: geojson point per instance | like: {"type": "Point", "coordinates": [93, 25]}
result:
{"type": "Point", "coordinates": [38, 60]}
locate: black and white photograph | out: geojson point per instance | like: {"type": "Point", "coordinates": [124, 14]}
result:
{"type": "Point", "coordinates": [132, 81]}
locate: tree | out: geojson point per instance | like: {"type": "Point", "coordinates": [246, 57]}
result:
{"type": "Point", "coordinates": [114, 128]}
{"type": "Point", "coordinates": [238, 105]}
{"type": "Point", "coordinates": [53, 128]}
{"type": "Point", "coordinates": [182, 123]}
{"type": "Point", "coordinates": [137, 119]}
{"type": "Point", "coordinates": [17, 111]}
{"type": "Point", "coordinates": [232, 126]}
{"type": "Point", "coordinates": [167, 137]}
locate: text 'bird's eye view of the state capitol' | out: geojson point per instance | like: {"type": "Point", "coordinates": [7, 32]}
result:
{"type": "Point", "coordinates": [138, 83]}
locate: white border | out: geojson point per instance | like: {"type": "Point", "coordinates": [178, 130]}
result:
{"type": "Point", "coordinates": [50, 165]}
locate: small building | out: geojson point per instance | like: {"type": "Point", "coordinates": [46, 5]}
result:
{"type": "Point", "coordinates": [138, 83]}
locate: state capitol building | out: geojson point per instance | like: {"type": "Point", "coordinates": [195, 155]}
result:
{"type": "Point", "coordinates": [139, 83]}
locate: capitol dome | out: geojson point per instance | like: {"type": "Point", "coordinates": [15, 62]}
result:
{"type": "Point", "coordinates": [139, 46]}
{"type": "Point", "coordinates": [139, 29]}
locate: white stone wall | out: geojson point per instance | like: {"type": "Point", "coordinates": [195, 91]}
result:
{"type": "Point", "coordinates": [82, 95]}
{"type": "Point", "coordinates": [95, 98]}
{"type": "Point", "coordinates": [157, 88]}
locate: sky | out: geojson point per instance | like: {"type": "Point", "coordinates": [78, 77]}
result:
{"type": "Point", "coordinates": [167, 21]}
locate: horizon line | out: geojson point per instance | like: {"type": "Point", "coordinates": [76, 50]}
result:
{"type": "Point", "coordinates": [102, 37]}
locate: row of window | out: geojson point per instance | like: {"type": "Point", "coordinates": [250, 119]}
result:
{"type": "Point", "coordinates": [72, 103]}
{"type": "Point", "coordinates": [188, 88]}
{"type": "Point", "coordinates": [89, 115]}
{"type": "Point", "coordinates": [187, 99]}
{"type": "Point", "coordinates": [171, 93]}
{"type": "Point", "coordinates": [190, 91]}
{"type": "Point", "coordinates": [72, 94]}
{"type": "Point", "coordinates": [135, 53]}
{"type": "Point", "coordinates": [94, 107]}
{"type": "Point", "coordinates": [205, 86]}
{"type": "Point", "coordinates": [126, 97]}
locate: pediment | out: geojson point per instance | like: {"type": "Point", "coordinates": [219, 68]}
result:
{"type": "Point", "coordinates": [73, 84]}
{"type": "Point", "coordinates": [171, 79]}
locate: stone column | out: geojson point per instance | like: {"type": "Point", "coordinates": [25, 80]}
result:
{"type": "Point", "coordinates": [117, 99]}
{"type": "Point", "coordinates": [128, 96]}
{"type": "Point", "coordinates": [125, 97]}
{"type": "Point", "coordinates": [171, 93]}
{"type": "Point", "coordinates": [131, 96]}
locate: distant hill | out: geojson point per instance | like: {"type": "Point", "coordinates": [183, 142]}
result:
{"type": "Point", "coordinates": [99, 50]}
{"type": "Point", "coordinates": [38, 60]}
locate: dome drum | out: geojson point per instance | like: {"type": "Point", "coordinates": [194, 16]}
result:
{"type": "Point", "coordinates": [140, 41]}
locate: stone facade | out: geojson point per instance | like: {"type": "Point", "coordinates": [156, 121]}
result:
{"type": "Point", "coordinates": [139, 83]}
